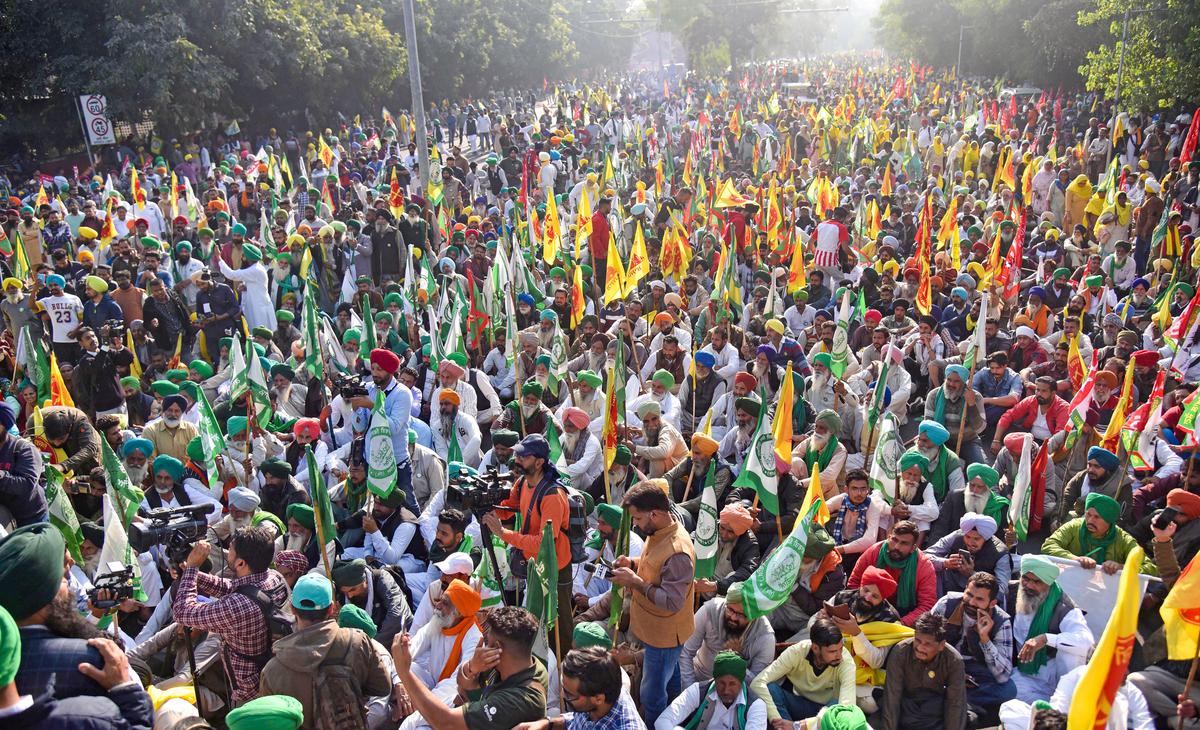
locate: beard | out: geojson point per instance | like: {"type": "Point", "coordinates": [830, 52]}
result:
{"type": "Point", "coordinates": [14, 298]}
{"type": "Point", "coordinates": [237, 524]}
{"type": "Point", "coordinates": [137, 474]}
{"type": "Point", "coordinates": [295, 542]}
{"type": "Point", "coordinates": [975, 502]}
{"type": "Point", "coordinates": [1029, 602]}
{"type": "Point", "coordinates": [731, 630]}
{"type": "Point", "coordinates": [570, 441]}
{"type": "Point", "coordinates": [446, 620]}
{"type": "Point", "coordinates": [528, 410]}
{"type": "Point", "coordinates": [820, 441]}
{"type": "Point", "coordinates": [448, 423]}
{"type": "Point", "coordinates": [930, 453]}
{"type": "Point", "coordinates": [90, 565]}
{"type": "Point", "coordinates": [596, 362]}
{"type": "Point", "coordinates": [819, 381]}
{"type": "Point", "coordinates": [64, 619]}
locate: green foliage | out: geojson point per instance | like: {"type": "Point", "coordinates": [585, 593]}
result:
{"type": "Point", "coordinates": [713, 40]}
{"type": "Point", "coordinates": [1162, 52]}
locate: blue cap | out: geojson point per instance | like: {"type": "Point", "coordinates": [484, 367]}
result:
{"type": "Point", "coordinates": [534, 444]}
{"type": "Point", "coordinates": [706, 359]}
{"type": "Point", "coordinates": [312, 592]}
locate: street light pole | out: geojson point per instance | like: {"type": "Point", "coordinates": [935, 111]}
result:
{"type": "Point", "coordinates": [418, 99]}
{"type": "Point", "coordinates": [958, 65]}
{"type": "Point", "coordinates": [1121, 61]}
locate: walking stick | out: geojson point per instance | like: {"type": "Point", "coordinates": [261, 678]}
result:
{"type": "Point", "coordinates": [1187, 686]}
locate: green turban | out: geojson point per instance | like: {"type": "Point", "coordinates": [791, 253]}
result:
{"type": "Point", "coordinates": [990, 476]}
{"type": "Point", "coordinates": [131, 382]}
{"type": "Point", "coordinates": [235, 425]}
{"type": "Point", "coordinates": [664, 378]}
{"type": "Point", "coordinates": [610, 513]}
{"type": "Point", "coordinates": [169, 464]}
{"type": "Point", "coordinates": [195, 450]}
{"type": "Point", "coordinates": [285, 316]}
{"type": "Point", "coordinates": [393, 298]}
{"type": "Point", "coordinates": [831, 419]}
{"type": "Point", "coordinates": [202, 368]}
{"type": "Point", "coordinates": [1107, 507]}
{"type": "Point", "coordinates": [623, 456]}
{"type": "Point", "coordinates": [10, 648]}
{"type": "Point", "coordinates": [590, 378]}
{"type": "Point", "coordinates": [729, 664]}
{"type": "Point", "coordinates": [349, 572]}
{"type": "Point", "coordinates": [353, 617]}
{"type": "Point", "coordinates": [504, 437]}
{"type": "Point", "coordinates": [590, 633]}
{"type": "Point", "coordinates": [176, 375]}
{"type": "Point", "coordinates": [251, 252]}
{"type": "Point", "coordinates": [31, 568]}
{"type": "Point", "coordinates": [1094, 280]}
{"type": "Point", "coordinates": [225, 342]}
{"type": "Point", "coordinates": [302, 514]}
{"type": "Point", "coordinates": [1042, 568]}
{"type": "Point", "coordinates": [913, 458]}
{"type": "Point", "coordinates": [749, 405]}
{"type": "Point", "coordinates": [843, 717]}
{"type": "Point", "coordinates": [164, 387]}
{"type": "Point", "coordinates": [273, 712]}
{"type": "Point", "coordinates": [533, 388]}
{"type": "Point", "coordinates": [823, 358]}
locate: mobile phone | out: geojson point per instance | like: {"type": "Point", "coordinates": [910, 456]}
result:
{"type": "Point", "coordinates": [1164, 517]}
{"type": "Point", "coordinates": [966, 556]}
{"type": "Point", "coordinates": [841, 611]}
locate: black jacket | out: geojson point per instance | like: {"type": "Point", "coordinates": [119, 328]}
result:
{"type": "Point", "coordinates": [153, 314]}
{"type": "Point", "coordinates": [744, 560]}
{"type": "Point", "coordinates": [127, 707]}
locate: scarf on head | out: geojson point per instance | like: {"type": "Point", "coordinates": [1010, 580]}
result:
{"type": "Point", "coordinates": [1095, 548]}
{"type": "Point", "coordinates": [821, 458]}
{"type": "Point", "coordinates": [1081, 187]}
{"type": "Point", "coordinates": [1038, 626]}
{"type": "Point", "coordinates": [459, 632]}
{"type": "Point", "coordinates": [906, 584]}
{"type": "Point", "coordinates": [860, 521]}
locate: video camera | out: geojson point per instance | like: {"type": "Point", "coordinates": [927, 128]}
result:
{"type": "Point", "coordinates": [349, 386]}
{"type": "Point", "coordinates": [117, 579]}
{"type": "Point", "coordinates": [116, 328]}
{"type": "Point", "coordinates": [177, 529]}
{"type": "Point", "coordinates": [480, 493]}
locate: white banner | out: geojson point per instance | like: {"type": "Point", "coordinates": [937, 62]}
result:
{"type": "Point", "coordinates": [95, 119]}
{"type": "Point", "coordinates": [1093, 591]}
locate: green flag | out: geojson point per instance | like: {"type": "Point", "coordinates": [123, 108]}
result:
{"type": "Point", "coordinates": [616, 593]}
{"type": "Point", "coordinates": [759, 472]}
{"type": "Point", "coordinates": [36, 364]}
{"type": "Point", "coordinates": [558, 358]}
{"type": "Point", "coordinates": [322, 507]}
{"type": "Point", "coordinates": [380, 454]}
{"type": "Point", "coordinates": [128, 496]}
{"type": "Point", "coordinates": [369, 339]}
{"type": "Point", "coordinates": [541, 587]}
{"type": "Point", "coordinates": [885, 460]}
{"type": "Point", "coordinates": [62, 514]}
{"type": "Point", "coordinates": [311, 335]}
{"type": "Point", "coordinates": [120, 505]}
{"type": "Point", "coordinates": [212, 440]}
{"type": "Point", "coordinates": [557, 458]}
{"type": "Point", "coordinates": [770, 585]}
{"type": "Point", "coordinates": [705, 537]}
{"type": "Point", "coordinates": [256, 381]}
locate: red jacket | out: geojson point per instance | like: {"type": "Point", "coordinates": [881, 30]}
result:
{"type": "Point", "coordinates": [927, 593]}
{"type": "Point", "coordinates": [1021, 416]}
{"type": "Point", "coordinates": [598, 240]}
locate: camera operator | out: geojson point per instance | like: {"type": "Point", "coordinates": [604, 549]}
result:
{"type": "Point", "coordinates": [20, 471]}
{"type": "Point", "coordinates": [243, 512]}
{"type": "Point", "coordinates": [168, 492]}
{"type": "Point", "coordinates": [97, 389]}
{"type": "Point", "coordinates": [397, 407]}
{"type": "Point", "coordinates": [538, 497]}
{"type": "Point", "coordinates": [234, 617]}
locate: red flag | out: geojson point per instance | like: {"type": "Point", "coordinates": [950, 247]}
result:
{"type": "Point", "coordinates": [1189, 143]}
{"type": "Point", "coordinates": [1010, 275]}
{"type": "Point", "coordinates": [477, 319]}
{"type": "Point", "coordinates": [1037, 486]}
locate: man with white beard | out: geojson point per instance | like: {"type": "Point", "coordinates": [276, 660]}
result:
{"type": "Point", "coordinates": [450, 375]}
{"type": "Point", "coordinates": [595, 358]}
{"type": "Point", "coordinates": [825, 391]}
{"type": "Point", "coordinates": [1050, 629]}
{"type": "Point", "coordinates": [659, 442]}
{"type": "Point", "coordinates": [821, 451]}
{"type": "Point", "coordinates": [168, 492]}
{"type": "Point", "coordinates": [588, 397]}
{"type": "Point", "coordinates": [454, 428]}
{"type": "Point", "coordinates": [581, 448]}
{"type": "Point", "coordinates": [979, 497]}
{"type": "Point", "coordinates": [945, 470]}
{"type": "Point", "coordinates": [262, 446]}
{"type": "Point", "coordinates": [290, 397]}
{"type": "Point", "coordinates": [723, 414]}
{"type": "Point", "coordinates": [899, 381]}
{"type": "Point", "coordinates": [450, 636]}
{"type": "Point", "coordinates": [660, 385]}
{"type": "Point", "coordinates": [135, 453]}
{"type": "Point", "coordinates": [915, 502]}
{"type": "Point", "coordinates": [243, 512]}
{"type": "Point", "coordinates": [736, 442]}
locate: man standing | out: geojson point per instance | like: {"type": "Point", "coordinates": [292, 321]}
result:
{"type": "Point", "coordinates": [256, 300]}
{"type": "Point", "coordinates": [217, 311]}
{"type": "Point", "coordinates": [661, 589]}
{"type": "Point", "coordinates": [317, 644]}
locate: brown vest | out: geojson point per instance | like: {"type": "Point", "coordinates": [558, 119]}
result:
{"type": "Point", "coordinates": [654, 626]}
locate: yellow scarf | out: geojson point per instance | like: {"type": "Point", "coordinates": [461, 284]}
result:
{"type": "Point", "coordinates": [1080, 187]}
{"type": "Point", "coordinates": [879, 633]}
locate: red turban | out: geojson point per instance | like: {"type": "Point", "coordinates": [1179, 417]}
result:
{"type": "Point", "coordinates": [577, 417]}
{"type": "Point", "coordinates": [311, 426]}
{"type": "Point", "coordinates": [1187, 503]}
{"type": "Point", "coordinates": [747, 380]}
{"type": "Point", "coordinates": [1146, 358]}
{"type": "Point", "coordinates": [880, 578]}
{"type": "Point", "coordinates": [387, 360]}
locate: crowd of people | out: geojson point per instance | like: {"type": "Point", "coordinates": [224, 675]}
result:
{"type": "Point", "coordinates": [666, 402]}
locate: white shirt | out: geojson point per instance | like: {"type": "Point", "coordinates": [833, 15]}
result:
{"type": "Point", "coordinates": [65, 313]}
{"type": "Point", "coordinates": [723, 718]}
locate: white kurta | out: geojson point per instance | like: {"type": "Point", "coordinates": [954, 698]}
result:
{"type": "Point", "coordinates": [256, 300]}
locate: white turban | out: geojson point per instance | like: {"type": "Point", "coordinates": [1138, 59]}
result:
{"type": "Point", "coordinates": [243, 499]}
{"type": "Point", "coordinates": [984, 525]}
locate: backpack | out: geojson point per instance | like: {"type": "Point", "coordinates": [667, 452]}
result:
{"type": "Point", "coordinates": [576, 528]}
{"type": "Point", "coordinates": [276, 623]}
{"type": "Point", "coordinates": [337, 696]}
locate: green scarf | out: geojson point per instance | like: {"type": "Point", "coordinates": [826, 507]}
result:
{"type": "Point", "coordinates": [996, 508]}
{"type": "Point", "coordinates": [1039, 626]}
{"type": "Point", "coordinates": [939, 477]}
{"type": "Point", "coordinates": [906, 587]}
{"type": "Point", "coordinates": [823, 458]}
{"type": "Point", "coordinates": [939, 413]}
{"type": "Point", "coordinates": [356, 495]}
{"type": "Point", "coordinates": [1095, 549]}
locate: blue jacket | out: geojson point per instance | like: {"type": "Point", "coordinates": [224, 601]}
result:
{"type": "Point", "coordinates": [124, 708]}
{"type": "Point", "coordinates": [20, 469]}
{"type": "Point", "coordinates": [46, 657]}
{"type": "Point", "coordinates": [96, 314]}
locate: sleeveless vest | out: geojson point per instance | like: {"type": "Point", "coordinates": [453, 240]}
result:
{"type": "Point", "coordinates": [654, 626]}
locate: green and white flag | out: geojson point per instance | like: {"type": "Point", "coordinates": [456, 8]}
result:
{"type": "Point", "coordinates": [128, 496]}
{"type": "Point", "coordinates": [311, 336]}
{"type": "Point", "coordinates": [255, 381]}
{"type": "Point", "coordinates": [978, 342]}
{"type": "Point", "coordinates": [120, 505]}
{"type": "Point", "coordinates": [369, 339]}
{"type": "Point", "coordinates": [541, 585]}
{"type": "Point", "coordinates": [759, 472]}
{"type": "Point", "coordinates": [616, 593]}
{"type": "Point", "coordinates": [436, 351]}
{"type": "Point", "coordinates": [1018, 508]}
{"type": "Point", "coordinates": [770, 585]}
{"type": "Point", "coordinates": [62, 514]}
{"type": "Point", "coordinates": [885, 461]}
{"type": "Point", "coordinates": [32, 358]}
{"type": "Point", "coordinates": [705, 537]}
{"type": "Point", "coordinates": [381, 455]}
{"type": "Point", "coordinates": [212, 440]}
{"type": "Point", "coordinates": [322, 508]}
{"type": "Point", "coordinates": [557, 457]}
{"type": "Point", "coordinates": [840, 352]}
{"type": "Point", "coordinates": [558, 358]}
{"type": "Point", "coordinates": [880, 389]}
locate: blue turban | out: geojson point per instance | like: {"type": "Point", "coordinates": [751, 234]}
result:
{"type": "Point", "coordinates": [960, 371]}
{"type": "Point", "coordinates": [146, 446]}
{"type": "Point", "coordinates": [960, 292]}
{"type": "Point", "coordinates": [549, 315]}
{"type": "Point", "coordinates": [1105, 458]}
{"type": "Point", "coordinates": [934, 431]}
{"type": "Point", "coordinates": [766, 350]}
{"type": "Point", "coordinates": [1037, 291]}
{"type": "Point", "coordinates": [706, 359]}
{"type": "Point", "coordinates": [1140, 281]}
{"type": "Point", "coordinates": [174, 400]}
{"type": "Point", "coordinates": [887, 393]}
{"type": "Point", "coordinates": [525, 298]}
{"type": "Point", "coordinates": [53, 279]}
{"type": "Point", "coordinates": [446, 261]}
{"type": "Point", "coordinates": [7, 417]}
{"type": "Point", "coordinates": [965, 280]}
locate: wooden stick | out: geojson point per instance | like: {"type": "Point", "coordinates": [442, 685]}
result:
{"type": "Point", "coordinates": [558, 657]}
{"type": "Point", "coordinates": [1187, 686]}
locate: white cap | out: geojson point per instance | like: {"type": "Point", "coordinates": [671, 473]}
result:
{"type": "Point", "coordinates": [456, 564]}
{"type": "Point", "coordinates": [1026, 331]}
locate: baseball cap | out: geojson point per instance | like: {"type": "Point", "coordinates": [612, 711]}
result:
{"type": "Point", "coordinates": [534, 444]}
{"type": "Point", "coordinates": [312, 592]}
{"type": "Point", "coordinates": [456, 564]}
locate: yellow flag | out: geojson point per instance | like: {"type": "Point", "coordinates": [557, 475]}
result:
{"type": "Point", "coordinates": [135, 367]}
{"type": "Point", "coordinates": [1181, 613]}
{"type": "Point", "coordinates": [782, 425]}
{"type": "Point", "coordinates": [797, 276]}
{"type": "Point", "coordinates": [614, 274]}
{"type": "Point", "coordinates": [583, 223]}
{"type": "Point", "coordinates": [639, 261]}
{"type": "Point", "coordinates": [1092, 703]}
{"type": "Point", "coordinates": [551, 232]}
{"type": "Point", "coordinates": [815, 494]}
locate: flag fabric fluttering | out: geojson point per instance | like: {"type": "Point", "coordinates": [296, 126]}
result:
{"type": "Point", "coordinates": [62, 514]}
{"type": "Point", "coordinates": [1180, 612]}
{"type": "Point", "coordinates": [771, 584]}
{"type": "Point", "coordinates": [759, 472]}
{"type": "Point", "coordinates": [705, 537]}
{"type": "Point", "coordinates": [886, 459]}
{"type": "Point", "coordinates": [326, 526]}
{"type": "Point", "coordinates": [541, 587]}
{"type": "Point", "coordinates": [380, 453]}
{"type": "Point", "coordinates": [1018, 508]}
